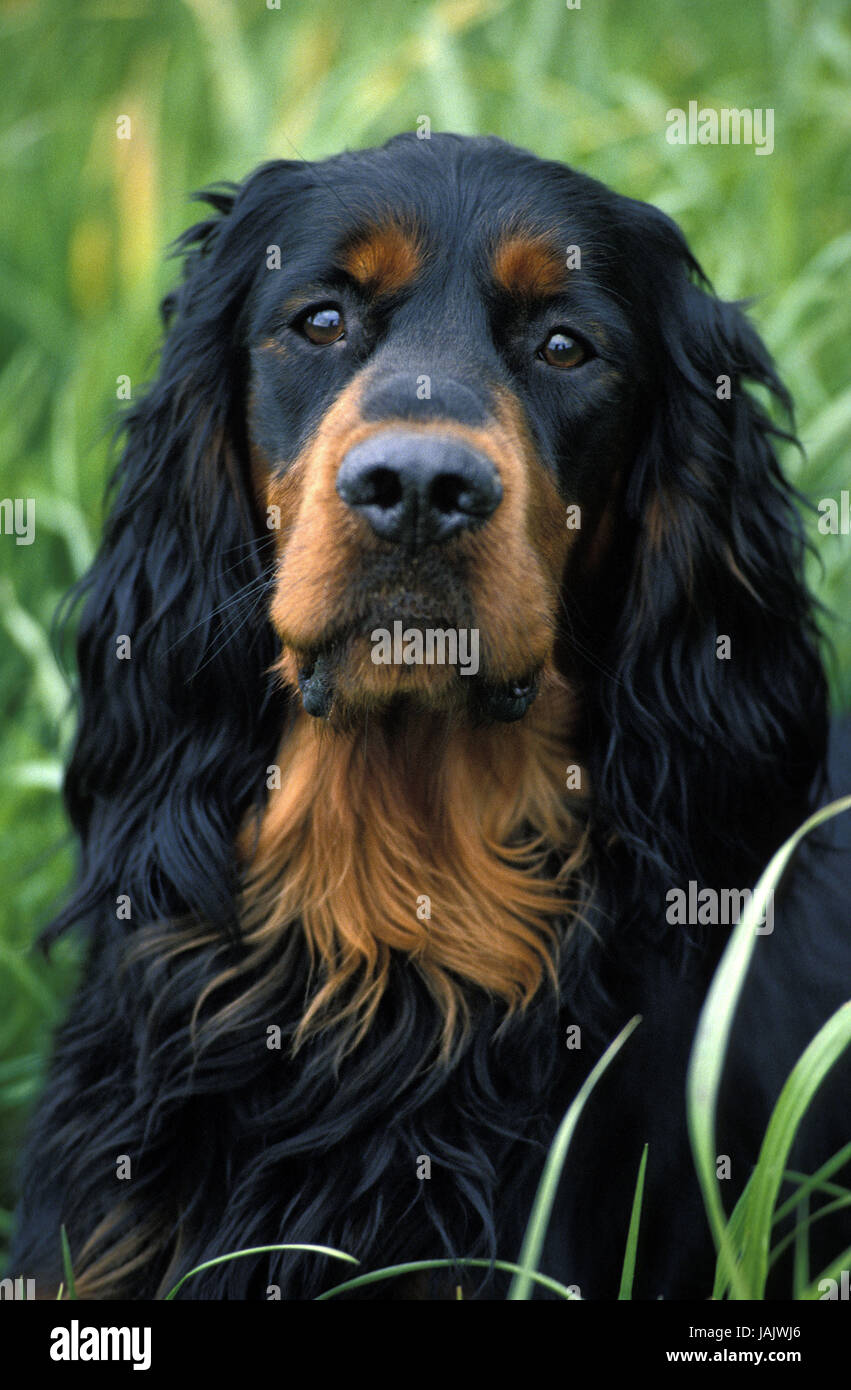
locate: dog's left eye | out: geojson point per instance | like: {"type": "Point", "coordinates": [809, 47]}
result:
{"type": "Point", "coordinates": [562, 350]}
{"type": "Point", "coordinates": [323, 325]}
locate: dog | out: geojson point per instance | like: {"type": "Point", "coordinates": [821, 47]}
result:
{"type": "Point", "coordinates": [448, 641]}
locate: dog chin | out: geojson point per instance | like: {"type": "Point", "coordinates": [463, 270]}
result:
{"type": "Point", "coordinates": [343, 686]}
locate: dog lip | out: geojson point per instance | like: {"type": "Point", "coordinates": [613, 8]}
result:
{"type": "Point", "coordinates": [315, 682]}
{"type": "Point", "coordinates": [507, 702]}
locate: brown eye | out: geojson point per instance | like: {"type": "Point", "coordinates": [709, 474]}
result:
{"type": "Point", "coordinates": [324, 325]}
{"type": "Point", "coordinates": [560, 350]}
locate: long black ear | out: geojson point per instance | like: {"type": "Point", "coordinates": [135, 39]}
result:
{"type": "Point", "coordinates": [177, 711]}
{"type": "Point", "coordinates": [714, 724]}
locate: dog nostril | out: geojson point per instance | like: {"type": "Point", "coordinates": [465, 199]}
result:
{"type": "Point", "coordinates": [382, 487]}
{"type": "Point", "coordinates": [451, 493]}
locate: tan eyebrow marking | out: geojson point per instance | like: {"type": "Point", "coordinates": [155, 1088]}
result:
{"type": "Point", "coordinates": [384, 259]}
{"type": "Point", "coordinates": [529, 264]}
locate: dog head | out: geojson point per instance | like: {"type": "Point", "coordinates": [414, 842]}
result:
{"type": "Point", "coordinates": [444, 379]}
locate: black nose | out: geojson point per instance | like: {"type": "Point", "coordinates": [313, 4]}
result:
{"type": "Point", "coordinates": [418, 489]}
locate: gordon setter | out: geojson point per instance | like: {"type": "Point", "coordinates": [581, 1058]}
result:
{"type": "Point", "coordinates": [449, 626]}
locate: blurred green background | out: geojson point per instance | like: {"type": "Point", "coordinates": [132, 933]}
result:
{"type": "Point", "coordinates": [212, 88]}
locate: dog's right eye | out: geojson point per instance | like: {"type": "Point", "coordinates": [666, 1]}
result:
{"type": "Point", "coordinates": [561, 349]}
{"type": "Point", "coordinates": [323, 325]}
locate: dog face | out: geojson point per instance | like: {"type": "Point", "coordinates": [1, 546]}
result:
{"type": "Point", "coordinates": [443, 378]}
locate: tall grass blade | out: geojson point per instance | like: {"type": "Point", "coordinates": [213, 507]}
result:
{"type": "Point", "coordinates": [707, 1061]}
{"type": "Point", "coordinates": [539, 1220]}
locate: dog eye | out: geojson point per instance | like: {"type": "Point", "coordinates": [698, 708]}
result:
{"type": "Point", "coordinates": [562, 350]}
{"type": "Point", "coordinates": [323, 325]}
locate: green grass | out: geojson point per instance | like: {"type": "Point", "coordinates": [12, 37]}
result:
{"type": "Point", "coordinates": [539, 1219]}
{"type": "Point", "coordinates": [212, 89]}
{"type": "Point", "coordinates": [744, 1241]}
